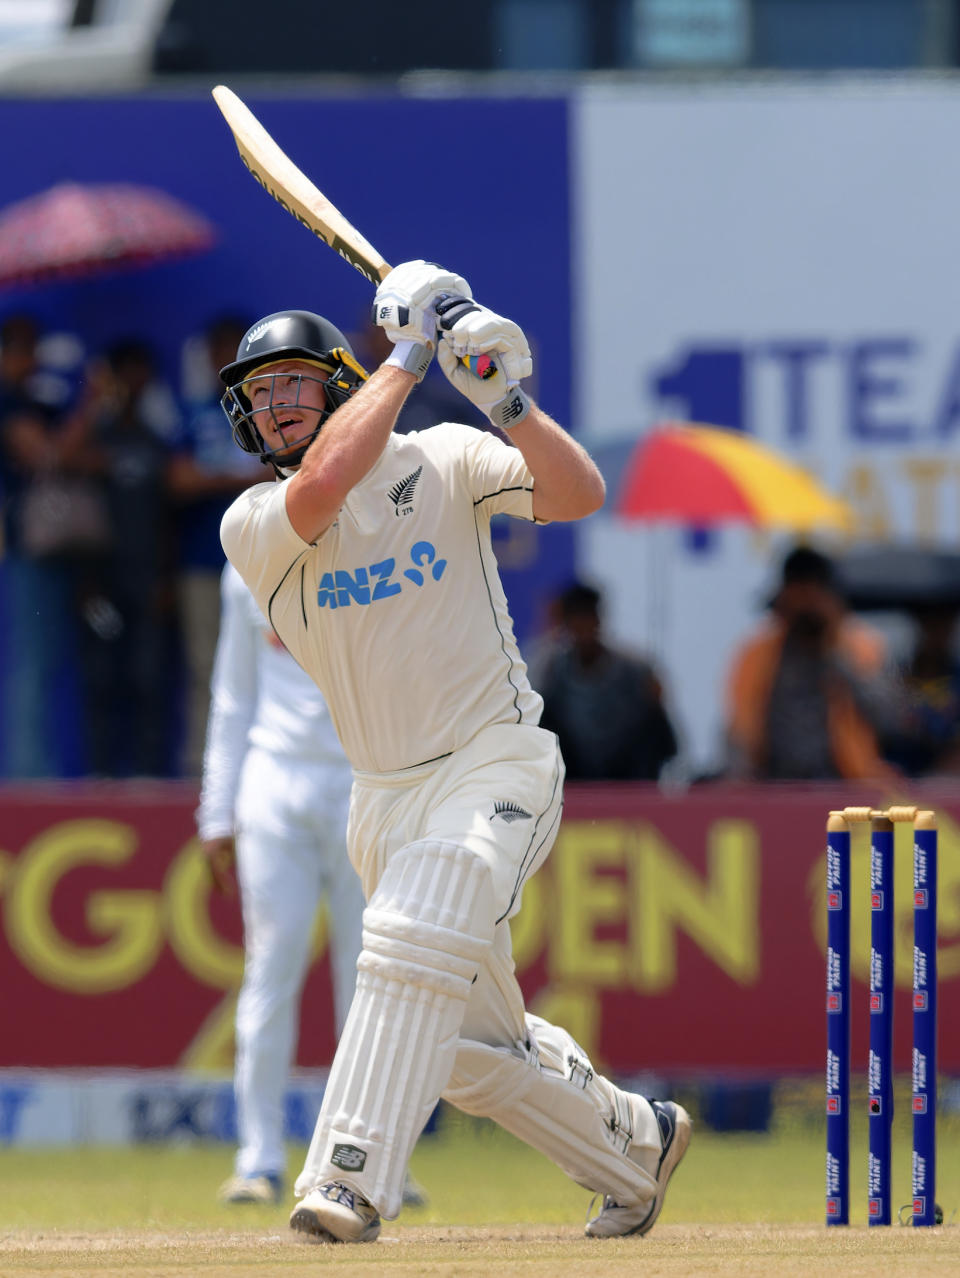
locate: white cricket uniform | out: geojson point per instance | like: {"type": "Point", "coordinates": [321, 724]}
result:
{"type": "Point", "coordinates": [398, 613]}
{"type": "Point", "coordinates": [275, 776]}
{"type": "Point", "coordinates": [407, 567]}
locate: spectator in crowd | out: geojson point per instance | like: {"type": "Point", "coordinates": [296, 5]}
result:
{"type": "Point", "coordinates": [38, 436]}
{"type": "Point", "coordinates": [207, 471]}
{"type": "Point", "coordinates": [126, 605]}
{"type": "Point", "coordinates": [273, 803]}
{"type": "Point", "coordinates": [812, 694]}
{"type": "Point", "coordinates": [606, 706]}
{"type": "Point", "coordinates": [928, 743]}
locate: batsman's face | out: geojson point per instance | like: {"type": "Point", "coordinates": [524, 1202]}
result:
{"type": "Point", "coordinates": [288, 402]}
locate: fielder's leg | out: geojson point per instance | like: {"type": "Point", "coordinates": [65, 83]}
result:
{"type": "Point", "coordinates": [279, 890]}
{"type": "Point", "coordinates": [427, 930]}
{"type": "Point", "coordinates": [277, 932]}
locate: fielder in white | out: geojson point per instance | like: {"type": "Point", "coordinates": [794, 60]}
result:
{"type": "Point", "coordinates": [275, 794]}
{"type": "Point", "coordinates": [373, 562]}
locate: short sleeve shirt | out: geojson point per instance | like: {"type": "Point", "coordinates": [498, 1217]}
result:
{"type": "Point", "coordinates": [397, 612]}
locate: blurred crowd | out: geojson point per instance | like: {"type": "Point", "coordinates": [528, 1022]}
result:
{"type": "Point", "coordinates": [113, 485]}
{"type": "Point", "coordinates": [112, 490]}
{"type": "Point", "coordinates": [814, 692]}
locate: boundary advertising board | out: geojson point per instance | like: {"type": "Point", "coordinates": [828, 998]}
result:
{"type": "Point", "coordinates": [677, 934]}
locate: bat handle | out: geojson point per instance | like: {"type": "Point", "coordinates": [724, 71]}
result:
{"type": "Point", "coordinates": [481, 366]}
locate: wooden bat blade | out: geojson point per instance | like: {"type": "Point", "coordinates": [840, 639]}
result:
{"type": "Point", "coordinates": [293, 190]}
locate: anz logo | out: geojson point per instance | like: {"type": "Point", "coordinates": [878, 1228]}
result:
{"type": "Point", "coordinates": [368, 585]}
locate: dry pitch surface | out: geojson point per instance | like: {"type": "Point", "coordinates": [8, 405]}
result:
{"type": "Point", "coordinates": [531, 1251]}
{"type": "Point", "coordinates": [738, 1205]}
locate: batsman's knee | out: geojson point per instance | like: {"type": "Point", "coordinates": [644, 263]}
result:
{"type": "Point", "coordinates": [487, 1079]}
{"type": "Point", "coordinates": [431, 918]}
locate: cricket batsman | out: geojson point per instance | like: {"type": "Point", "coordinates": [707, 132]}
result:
{"type": "Point", "coordinates": [370, 555]}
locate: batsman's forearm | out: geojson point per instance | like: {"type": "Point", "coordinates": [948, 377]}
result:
{"type": "Point", "coordinates": [567, 484]}
{"type": "Point", "coordinates": [348, 445]}
{"type": "Point", "coordinates": [357, 433]}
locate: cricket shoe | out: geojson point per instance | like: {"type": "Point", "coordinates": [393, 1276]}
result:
{"type": "Point", "coordinates": [333, 1213]}
{"type": "Point", "coordinates": [616, 1221]}
{"type": "Point", "coordinates": [414, 1194]}
{"type": "Point", "coordinates": [264, 1187]}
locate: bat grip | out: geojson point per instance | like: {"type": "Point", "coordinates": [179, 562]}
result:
{"type": "Point", "coordinates": [481, 366]}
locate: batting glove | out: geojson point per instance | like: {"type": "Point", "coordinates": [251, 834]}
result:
{"type": "Point", "coordinates": [404, 306]}
{"type": "Point", "coordinates": [485, 357]}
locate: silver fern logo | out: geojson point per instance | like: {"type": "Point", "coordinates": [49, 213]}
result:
{"type": "Point", "coordinates": [401, 494]}
{"type": "Point", "coordinates": [509, 812]}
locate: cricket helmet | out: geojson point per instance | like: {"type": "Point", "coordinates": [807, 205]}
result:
{"type": "Point", "coordinates": [288, 335]}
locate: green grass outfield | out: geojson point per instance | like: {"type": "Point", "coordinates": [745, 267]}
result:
{"type": "Point", "coordinates": [738, 1204]}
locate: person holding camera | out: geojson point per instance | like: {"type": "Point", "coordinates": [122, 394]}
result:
{"type": "Point", "coordinates": [811, 695]}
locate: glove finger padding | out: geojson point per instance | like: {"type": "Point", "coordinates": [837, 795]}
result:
{"type": "Point", "coordinates": [454, 307]}
{"type": "Point", "coordinates": [420, 280]}
{"type": "Point", "coordinates": [404, 303]}
{"type": "Point", "coordinates": [472, 329]}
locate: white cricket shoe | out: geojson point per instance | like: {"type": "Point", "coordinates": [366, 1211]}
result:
{"type": "Point", "coordinates": [333, 1213]}
{"type": "Point", "coordinates": [615, 1221]}
{"type": "Point", "coordinates": [263, 1188]}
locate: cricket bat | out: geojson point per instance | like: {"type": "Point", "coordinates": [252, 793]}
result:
{"type": "Point", "coordinates": [293, 191]}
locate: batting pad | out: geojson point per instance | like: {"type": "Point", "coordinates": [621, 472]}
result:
{"type": "Point", "coordinates": [546, 1093]}
{"type": "Point", "coordinates": [426, 932]}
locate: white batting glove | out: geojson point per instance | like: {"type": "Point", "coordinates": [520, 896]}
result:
{"type": "Point", "coordinates": [469, 332]}
{"type": "Point", "coordinates": [405, 301]}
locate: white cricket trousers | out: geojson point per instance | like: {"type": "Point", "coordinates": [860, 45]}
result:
{"type": "Point", "coordinates": [443, 851]}
{"type": "Point", "coordinates": [291, 856]}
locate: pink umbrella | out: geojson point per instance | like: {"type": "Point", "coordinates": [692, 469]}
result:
{"type": "Point", "coordinates": [75, 230]}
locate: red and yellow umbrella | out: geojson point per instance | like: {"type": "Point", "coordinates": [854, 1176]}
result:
{"type": "Point", "coordinates": [706, 475]}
